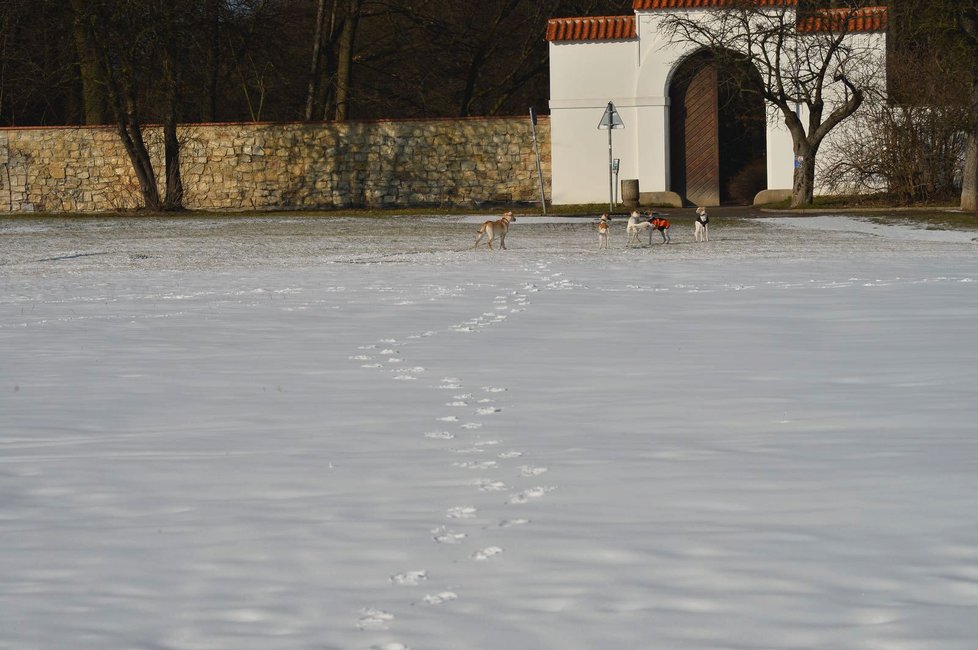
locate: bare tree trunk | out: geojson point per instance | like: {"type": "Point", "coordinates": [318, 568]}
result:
{"type": "Point", "coordinates": [969, 181]}
{"type": "Point", "coordinates": [173, 199]}
{"type": "Point", "coordinates": [131, 134]}
{"type": "Point", "coordinates": [315, 67]}
{"type": "Point", "coordinates": [171, 41]}
{"type": "Point", "coordinates": [119, 78]}
{"type": "Point", "coordinates": [214, 22]}
{"type": "Point", "coordinates": [344, 65]}
{"type": "Point", "coordinates": [88, 69]}
{"type": "Point", "coordinates": [803, 186]}
{"type": "Point", "coordinates": [969, 175]}
{"type": "Point", "coordinates": [171, 155]}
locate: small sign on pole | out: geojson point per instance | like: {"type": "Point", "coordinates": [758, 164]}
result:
{"type": "Point", "coordinates": [611, 121]}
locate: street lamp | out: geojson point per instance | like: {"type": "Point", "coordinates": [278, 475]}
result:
{"type": "Point", "coordinates": [610, 121]}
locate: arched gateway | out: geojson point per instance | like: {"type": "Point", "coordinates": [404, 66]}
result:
{"type": "Point", "coordinates": [691, 134]}
{"type": "Point", "coordinates": [716, 134]}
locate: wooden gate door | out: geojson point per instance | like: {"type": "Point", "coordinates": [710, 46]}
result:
{"type": "Point", "coordinates": [702, 146]}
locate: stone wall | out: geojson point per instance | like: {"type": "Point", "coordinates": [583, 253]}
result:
{"type": "Point", "coordinates": [229, 167]}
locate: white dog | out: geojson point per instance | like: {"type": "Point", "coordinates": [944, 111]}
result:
{"type": "Point", "coordinates": [635, 228]}
{"type": "Point", "coordinates": [497, 228]}
{"type": "Point", "coordinates": [604, 226]}
{"type": "Point", "coordinates": [702, 232]}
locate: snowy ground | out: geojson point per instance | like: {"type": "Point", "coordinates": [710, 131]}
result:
{"type": "Point", "coordinates": [337, 433]}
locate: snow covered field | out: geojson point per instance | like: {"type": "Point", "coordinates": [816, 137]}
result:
{"type": "Point", "coordinates": [337, 433]}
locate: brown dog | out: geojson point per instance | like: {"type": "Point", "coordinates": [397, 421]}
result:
{"type": "Point", "coordinates": [497, 228]}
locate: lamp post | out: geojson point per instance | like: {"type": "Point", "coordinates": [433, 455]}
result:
{"type": "Point", "coordinates": [610, 121]}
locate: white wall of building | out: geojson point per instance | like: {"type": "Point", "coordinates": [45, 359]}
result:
{"type": "Point", "coordinates": [635, 75]}
{"type": "Point", "coordinates": [584, 77]}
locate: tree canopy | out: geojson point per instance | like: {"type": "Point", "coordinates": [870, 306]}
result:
{"type": "Point", "coordinates": [282, 60]}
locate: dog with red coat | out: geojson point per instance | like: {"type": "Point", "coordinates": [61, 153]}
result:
{"type": "Point", "coordinates": [660, 223]}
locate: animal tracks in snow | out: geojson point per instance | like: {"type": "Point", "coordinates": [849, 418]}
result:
{"type": "Point", "coordinates": [409, 578]}
{"type": "Point", "coordinates": [485, 553]}
{"type": "Point", "coordinates": [476, 464]}
{"type": "Point", "coordinates": [509, 523]}
{"type": "Point", "coordinates": [489, 485]}
{"type": "Point", "coordinates": [439, 598]}
{"type": "Point", "coordinates": [528, 495]}
{"type": "Point", "coordinates": [443, 535]}
{"type": "Point", "coordinates": [374, 619]}
{"type": "Point", "coordinates": [461, 512]}
{"type": "Point", "coordinates": [468, 449]}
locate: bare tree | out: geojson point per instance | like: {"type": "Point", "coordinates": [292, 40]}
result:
{"type": "Point", "coordinates": [315, 71]}
{"type": "Point", "coordinates": [814, 69]}
{"type": "Point", "coordinates": [945, 31]}
{"type": "Point", "coordinates": [910, 151]}
{"type": "Point", "coordinates": [88, 70]}
{"type": "Point", "coordinates": [38, 69]}
{"type": "Point", "coordinates": [137, 43]}
{"type": "Point", "coordinates": [968, 28]}
{"type": "Point", "coordinates": [257, 59]}
{"type": "Point", "coordinates": [420, 58]}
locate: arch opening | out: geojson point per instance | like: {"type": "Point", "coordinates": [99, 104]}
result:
{"type": "Point", "coordinates": [717, 132]}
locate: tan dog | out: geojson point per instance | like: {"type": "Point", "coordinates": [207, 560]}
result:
{"type": "Point", "coordinates": [497, 228]}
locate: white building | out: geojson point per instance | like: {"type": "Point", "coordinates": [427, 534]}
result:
{"type": "Point", "coordinates": [681, 139]}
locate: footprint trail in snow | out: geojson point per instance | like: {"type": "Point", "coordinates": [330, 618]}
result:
{"type": "Point", "coordinates": [456, 432]}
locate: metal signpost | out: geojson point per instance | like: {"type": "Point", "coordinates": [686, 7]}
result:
{"type": "Point", "coordinates": [615, 164]}
{"type": "Point", "coordinates": [536, 151]}
{"type": "Point", "coordinates": [610, 121]}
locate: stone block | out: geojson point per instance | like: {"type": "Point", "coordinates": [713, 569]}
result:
{"type": "Point", "coordinates": [771, 196]}
{"type": "Point", "coordinates": [669, 199]}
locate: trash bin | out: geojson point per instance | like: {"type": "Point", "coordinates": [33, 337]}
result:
{"type": "Point", "coordinates": [629, 192]}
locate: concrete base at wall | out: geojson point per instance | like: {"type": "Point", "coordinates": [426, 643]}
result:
{"type": "Point", "coordinates": [771, 196]}
{"type": "Point", "coordinates": [668, 199]}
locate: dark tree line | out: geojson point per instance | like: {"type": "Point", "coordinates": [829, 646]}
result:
{"type": "Point", "coordinates": [65, 62]}
{"type": "Point", "coordinates": [129, 63]}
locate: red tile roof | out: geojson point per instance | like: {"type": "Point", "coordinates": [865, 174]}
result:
{"type": "Point", "coordinates": [621, 28]}
{"type": "Point", "coordinates": [638, 5]}
{"type": "Point", "coordinates": [868, 19]}
{"type": "Point", "coordinates": [597, 28]}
